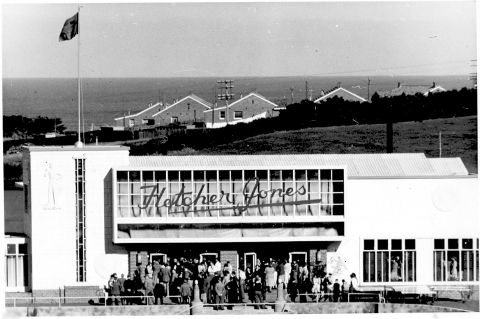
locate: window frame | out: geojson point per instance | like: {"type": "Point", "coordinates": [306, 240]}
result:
{"type": "Point", "coordinates": [235, 117]}
{"type": "Point", "coordinates": [446, 251]}
{"type": "Point", "coordinates": [378, 253]}
{"type": "Point", "coordinates": [221, 115]}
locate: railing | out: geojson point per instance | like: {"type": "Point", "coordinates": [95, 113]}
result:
{"type": "Point", "coordinates": [91, 300]}
{"type": "Point", "coordinates": [108, 300]}
{"type": "Point", "coordinates": [331, 296]}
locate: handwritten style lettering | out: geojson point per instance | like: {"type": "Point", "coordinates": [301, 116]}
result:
{"type": "Point", "coordinates": [252, 193]}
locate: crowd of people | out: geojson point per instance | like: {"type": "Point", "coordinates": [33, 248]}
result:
{"type": "Point", "coordinates": [221, 284]}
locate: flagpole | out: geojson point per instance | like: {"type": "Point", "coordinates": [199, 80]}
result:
{"type": "Point", "coordinates": [79, 142]}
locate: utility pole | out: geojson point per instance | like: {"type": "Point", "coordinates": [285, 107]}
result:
{"type": "Point", "coordinates": [368, 89]}
{"type": "Point", "coordinates": [306, 90]}
{"type": "Point", "coordinates": [225, 87]}
{"type": "Point", "coordinates": [214, 91]}
{"type": "Point", "coordinates": [440, 144]}
{"type": "Point", "coordinates": [291, 95]}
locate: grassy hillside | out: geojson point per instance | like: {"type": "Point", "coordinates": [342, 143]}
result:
{"type": "Point", "coordinates": [459, 139]}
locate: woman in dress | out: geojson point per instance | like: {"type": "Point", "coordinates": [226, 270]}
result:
{"type": "Point", "coordinates": [269, 277]}
{"type": "Point", "coordinates": [316, 289]}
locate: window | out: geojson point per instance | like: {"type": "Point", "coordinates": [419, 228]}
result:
{"type": "Point", "coordinates": [389, 260]}
{"type": "Point", "coordinates": [237, 114]}
{"type": "Point", "coordinates": [221, 115]}
{"type": "Point", "coordinates": [148, 122]}
{"type": "Point", "coordinates": [230, 193]}
{"type": "Point", "coordinates": [174, 119]}
{"type": "Point", "coordinates": [131, 122]}
{"type": "Point", "coordinates": [455, 259]}
{"type": "Point", "coordinates": [81, 259]}
{"type": "Point", "coordinates": [16, 262]}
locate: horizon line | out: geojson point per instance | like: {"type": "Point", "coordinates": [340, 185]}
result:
{"type": "Point", "coordinates": [236, 76]}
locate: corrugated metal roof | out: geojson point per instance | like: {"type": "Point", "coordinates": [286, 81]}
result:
{"type": "Point", "coordinates": [448, 165]}
{"type": "Point", "coordinates": [358, 165]}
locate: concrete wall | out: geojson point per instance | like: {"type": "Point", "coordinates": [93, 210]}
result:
{"type": "Point", "coordinates": [102, 311]}
{"type": "Point", "coordinates": [53, 215]}
{"type": "Point", "coordinates": [187, 111]}
{"type": "Point", "coordinates": [361, 307]}
{"type": "Point", "coordinates": [421, 209]}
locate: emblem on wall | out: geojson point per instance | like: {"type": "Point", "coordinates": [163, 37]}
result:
{"type": "Point", "coordinates": [52, 198]}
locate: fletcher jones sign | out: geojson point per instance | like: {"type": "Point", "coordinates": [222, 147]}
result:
{"type": "Point", "coordinates": [252, 194]}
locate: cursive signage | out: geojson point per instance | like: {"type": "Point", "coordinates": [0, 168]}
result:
{"type": "Point", "coordinates": [253, 196]}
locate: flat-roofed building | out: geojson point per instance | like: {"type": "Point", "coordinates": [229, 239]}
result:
{"type": "Point", "coordinates": [393, 219]}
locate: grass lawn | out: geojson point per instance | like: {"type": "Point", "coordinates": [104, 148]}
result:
{"type": "Point", "coordinates": [459, 139]}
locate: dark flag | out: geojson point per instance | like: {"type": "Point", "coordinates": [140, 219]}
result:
{"type": "Point", "coordinates": [70, 29]}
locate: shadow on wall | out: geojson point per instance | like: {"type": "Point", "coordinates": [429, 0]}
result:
{"type": "Point", "coordinates": [108, 212]}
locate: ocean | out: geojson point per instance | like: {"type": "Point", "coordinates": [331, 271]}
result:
{"type": "Point", "coordinates": [107, 98]}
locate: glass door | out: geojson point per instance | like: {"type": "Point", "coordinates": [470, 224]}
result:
{"type": "Point", "coordinates": [208, 257]}
{"type": "Point", "coordinates": [250, 260]}
{"type": "Point", "coordinates": [161, 258]}
{"type": "Point", "coordinates": [298, 256]}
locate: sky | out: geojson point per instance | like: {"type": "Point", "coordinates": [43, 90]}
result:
{"type": "Point", "coordinates": [241, 39]}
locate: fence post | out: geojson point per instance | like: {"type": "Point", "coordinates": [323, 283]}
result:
{"type": "Point", "coordinates": [348, 297]}
{"type": "Point", "coordinates": [14, 303]}
{"type": "Point", "coordinates": [280, 302]}
{"type": "Point", "coordinates": [59, 302]}
{"type": "Point", "coordinates": [196, 306]}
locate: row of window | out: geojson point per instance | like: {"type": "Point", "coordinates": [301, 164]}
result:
{"type": "Point", "coordinates": [237, 115]}
{"type": "Point", "coordinates": [211, 193]}
{"type": "Point", "coordinates": [395, 260]}
{"type": "Point", "coordinates": [146, 176]}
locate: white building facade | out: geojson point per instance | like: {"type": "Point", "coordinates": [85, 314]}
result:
{"type": "Point", "coordinates": [393, 219]}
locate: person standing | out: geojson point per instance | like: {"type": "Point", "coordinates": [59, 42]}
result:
{"type": "Point", "coordinates": [269, 277]}
{"type": "Point", "coordinates": [219, 294]}
{"type": "Point", "coordinates": [122, 288]}
{"type": "Point", "coordinates": [353, 283]}
{"type": "Point", "coordinates": [281, 272]}
{"type": "Point", "coordinates": [149, 286]}
{"type": "Point", "coordinates": [287, 270]}
{"type": "Point", "coordinates": [116, 289]}
{"type": "Point", "coordinates": [185, 291]}
{"type": "Point", "coordinates": [233, 288]}
{"type": "Point", "coordinates": [258, 289]}
{"type": "Point", "coordinates": [344, 290]}
{"type": "Point", "coordinates": [217, 268]}
{"type": "Point", "coordinates": [129, 290]}
{"type": "Point", "coordinates": [336, 291]}
{"type": "Point", "coordinates": [156, 270]}
{"type": "Point", "coordinates": [316, 289]}
{"type": "Point", "coordinates": [242, 279]}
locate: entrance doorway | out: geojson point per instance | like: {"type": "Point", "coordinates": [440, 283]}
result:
{"type": "Point", "coordinates": [208, 257]}
{"type": "Point", "coordinates": [250, 259]}
{"type": "Point", "coordinates": [298, 256]}
{"type": "Point", "coordinates": [161, 258]}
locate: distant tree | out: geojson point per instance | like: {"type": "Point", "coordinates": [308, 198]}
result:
{"type": "Point", "coordinates": [18, 126]}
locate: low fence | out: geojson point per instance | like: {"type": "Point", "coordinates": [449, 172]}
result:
{"type": "Point", "coordinates": [106, 300]}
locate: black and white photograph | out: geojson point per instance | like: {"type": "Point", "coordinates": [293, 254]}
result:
{"type": "Point", "coordinates": [240, 158]}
